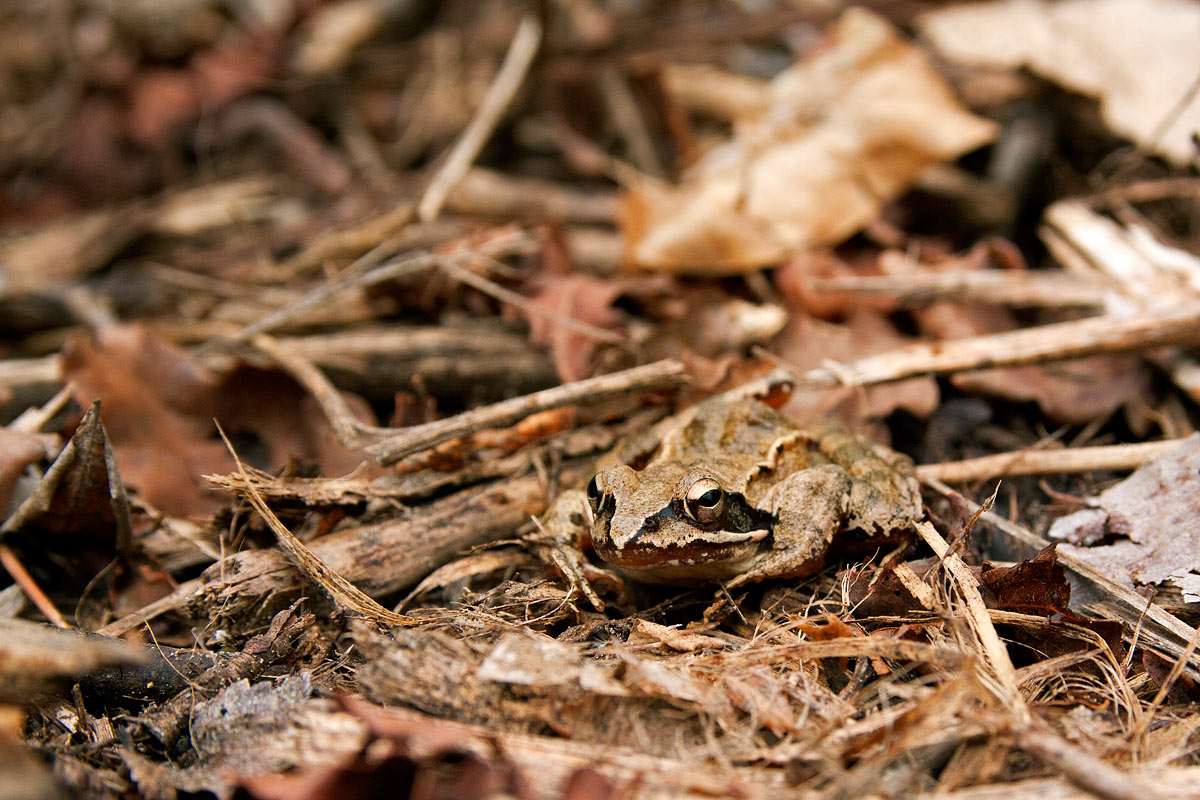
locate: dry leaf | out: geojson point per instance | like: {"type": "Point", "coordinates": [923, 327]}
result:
{"type": "Point", "coordinates": [847, 130]}
{"type": "Point", "coordinates": [809, 343]}
{"type": "Point", "coordinates": [1150, 519]}
{"type": "Point", "coordinates": [1139, 57]}
{"type": "Point", "coordinates": [1066, 390]}
{"type": "Point", "coordinates": [159, 406]}
{"type": "Point", "coordinates": [580, 297]}
{"type": "Point", "coordinates": [80, 497]}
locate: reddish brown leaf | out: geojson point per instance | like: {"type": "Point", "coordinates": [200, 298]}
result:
{"type": "Point", "coordinates": [808, 343]}
{"type": "Point", "coordinates": [583, 298]}
{"type": "Point", "coordinates": [159, 408]}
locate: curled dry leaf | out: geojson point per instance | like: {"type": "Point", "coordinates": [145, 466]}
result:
{"type": "Point", "coordinates": [847, 130]}
{"type": "Point", "coordinates": [80, 497]}
{"type": "Point", "coordinates": [1038, 586]}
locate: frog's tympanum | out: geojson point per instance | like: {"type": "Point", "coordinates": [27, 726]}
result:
{"type": "Point", "coordinates": [733, 492]}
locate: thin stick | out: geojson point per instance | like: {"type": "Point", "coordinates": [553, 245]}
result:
{"type": "Point", "coordinates": [1047, 290]}
{"type": "Point", "coordinates": [505, 244]}
{"type": "Point", "coordinates": [31, 419]}
{"type": "Point", "coordinates": [1037, 462]}
{"type": "Point", "coordinates": [21, 577]}
{"type": "Point", "coordinates": [508, 80]}
{"type": "Point", "coordinates": [1085, 770]}
{"type": "Point", "coordinates": [668, 372]}
{"type": "Point", "coordinates": [1056, 342]}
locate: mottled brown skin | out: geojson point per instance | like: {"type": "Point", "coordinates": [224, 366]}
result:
{"type": "Point", "coordinates": [732, 491]}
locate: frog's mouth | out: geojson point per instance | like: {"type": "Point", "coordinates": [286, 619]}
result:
{"type": "Point", "coordinates": [714, 547]}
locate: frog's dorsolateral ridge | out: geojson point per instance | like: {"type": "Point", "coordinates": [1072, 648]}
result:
{"type": "Point", "coordinates": [732, 491]}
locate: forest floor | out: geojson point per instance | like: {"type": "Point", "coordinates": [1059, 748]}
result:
{"type": "Point", "coordinates": [310, 311]}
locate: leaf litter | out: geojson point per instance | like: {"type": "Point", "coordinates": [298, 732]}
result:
{"type": "Point", "coordinates": [364, 241]}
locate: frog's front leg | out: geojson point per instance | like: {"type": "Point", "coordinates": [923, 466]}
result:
{"type": "Point", "coordinates": [567, 524]}
{"type": "Point", "coordinates": [810, 507]}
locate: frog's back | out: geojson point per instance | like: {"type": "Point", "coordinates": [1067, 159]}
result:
{"type": "Point", "coordinates": [741, 427]}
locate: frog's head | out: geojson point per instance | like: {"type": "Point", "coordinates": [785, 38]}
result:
{"type": "Point", "coordinates": [671, 518]}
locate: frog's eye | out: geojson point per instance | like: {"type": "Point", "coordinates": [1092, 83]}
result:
{"type": "Point", "coordinates": [705, 500]}
{"type": "Point", "coordinates": [595, 495]}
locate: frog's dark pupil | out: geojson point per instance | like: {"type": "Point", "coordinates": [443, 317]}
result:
{"type": "Point", "coordinates": [709, 499]}
{"type": "Point", "coordinates": [593, 494]}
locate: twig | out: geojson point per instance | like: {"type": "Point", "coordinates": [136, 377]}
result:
{"type": "Point", "coordinates": [508, 80]}
{"type": "Point", "coordinates": [176, 600]}
{"type": "Point", "coordinates": [24, 371]}
{"type": "Point", "coordinates": [21, 577]}
{"type": "Point", "coordinates": [627, 119]}
{"type": "Point", "coordinates": [1048, 290]}
{"type": "Point", "coordinates": [419, 437]}
{"type": "Point", "coordinates": [1146, 191]}
{"type": "Point", "coordinates": [32, 419]}
{"type": "Point", "coordinates": [1056, 342]}
{"type": "Point", "coordinates": [498, 195]}
{"type": "Point", "coordinates": [1037, 462]}
{"type": "Point", "coordinates": [1083, 769]}
{"type": "Point", "coordinates": [505, 244]}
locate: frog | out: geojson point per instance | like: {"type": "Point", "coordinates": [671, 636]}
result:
{"type": "Point", "coordinates": [729, 491]}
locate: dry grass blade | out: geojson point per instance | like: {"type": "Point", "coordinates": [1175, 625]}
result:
{"type": "Point", "coordinates": [341, 590]}
{"type": "Point", "coordinates": [1160, 697]}
{"type": "Point", "coordinates": [994, 651]}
